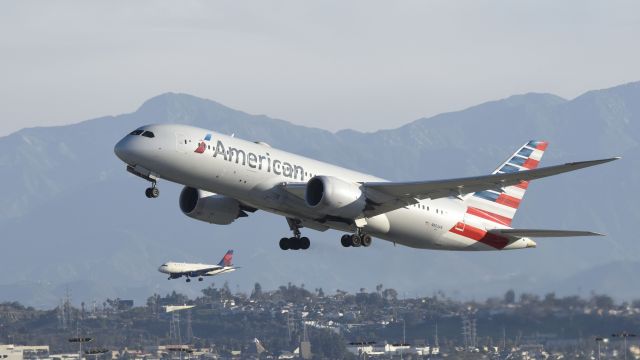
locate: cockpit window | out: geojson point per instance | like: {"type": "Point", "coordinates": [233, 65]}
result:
{"type": "Point", "coordinates": [148, 134]}
{"type": "Point", "coordinates": [136, 132]}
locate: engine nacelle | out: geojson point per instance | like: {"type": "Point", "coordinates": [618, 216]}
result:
{"type": "Point", "coordinates": [333, 196]}
{"type": "Point", "coordinates": [212, 208]}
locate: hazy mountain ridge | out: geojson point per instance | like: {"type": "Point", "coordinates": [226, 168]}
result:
{"type": "Point", "coordinates": [71, 214]}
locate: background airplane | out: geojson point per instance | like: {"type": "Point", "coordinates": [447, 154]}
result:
{"type": "Point", "coordinates": [226, 177]}
{"type": "Point", "coordinates": [191, 270]}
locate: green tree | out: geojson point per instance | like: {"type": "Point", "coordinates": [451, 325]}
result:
{"type": "Point", "coordinates": [257, 291]}
{"type": "Point", "coordinates": [510, 297]}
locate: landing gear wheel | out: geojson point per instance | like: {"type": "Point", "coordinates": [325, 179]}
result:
{"type": "Point", "coordinates": [366, 240]}
{"type": "Point", "coordinates": [304, 243]}
{"type": "Point", "coordinates": [200, 279]}
{"type": "Point", "coordinates": [152, 192]}
{"type": "Point", "coordinates": [345, 240]}
{"type": "Point", "coordinates": [284, 244]}
{"type": "Point", "coordinates": [188, 280]}
{"type": "Point", "coordinates": [355, 240]}
{"type": "Point", "coordinates": [294, 243]}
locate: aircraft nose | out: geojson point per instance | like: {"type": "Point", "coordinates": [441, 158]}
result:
{"type": "Point", "coordinates": [123, 150]}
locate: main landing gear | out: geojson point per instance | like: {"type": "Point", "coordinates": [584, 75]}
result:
{"type": "Point", "coordinates": [152, 192]}
{"type": "Point", "coordinates": [297, 242]}
{"type": "Point", "coordinates": [356, 240]}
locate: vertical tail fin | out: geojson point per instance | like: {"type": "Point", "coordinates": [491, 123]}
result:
{"type": "Point", "coordinates": [226, 259]}
{"type": "Point", "coordinates": [499, 206]}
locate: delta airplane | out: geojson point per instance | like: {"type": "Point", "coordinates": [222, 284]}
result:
{"type": "Point", "coordinates": [226, 178]}
{"type": "Point", "coordinates": [178, 270]}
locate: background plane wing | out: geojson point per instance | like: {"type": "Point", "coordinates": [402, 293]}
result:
{"type": "Point", "coordinates": [388, 196]}
{"type": "Point", "coordinates": [198, 272]}
{"type": "Point", "coordinates": [542, 233]}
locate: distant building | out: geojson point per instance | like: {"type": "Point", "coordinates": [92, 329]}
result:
{"type": "Point", "coordinates": [124, 305]}
{"type": "Point", "coordinates": [19, 352]}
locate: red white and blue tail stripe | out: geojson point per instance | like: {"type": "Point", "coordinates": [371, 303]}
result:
{"type": "Point", "coordinates": [499, 206]}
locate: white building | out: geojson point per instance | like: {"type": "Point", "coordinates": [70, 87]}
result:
{"type": "Point", "coordinates": [19, 352]}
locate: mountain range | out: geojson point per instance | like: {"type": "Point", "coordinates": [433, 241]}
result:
{"type": "Point", "coordinates": [73, 219]}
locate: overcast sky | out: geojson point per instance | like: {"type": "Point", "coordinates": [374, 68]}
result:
{"type": "Point", "coordinates": [331, 64]}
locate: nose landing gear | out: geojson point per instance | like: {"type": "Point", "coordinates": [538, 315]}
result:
{"type": "Point", "coordinates": [152, 192]}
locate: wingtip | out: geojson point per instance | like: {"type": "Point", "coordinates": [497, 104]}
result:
{"type": "Point", "coordinates": [611, 159]}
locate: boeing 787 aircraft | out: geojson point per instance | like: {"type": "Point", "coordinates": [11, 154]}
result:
{"type": "Point", "coordinates": [189, 270]}
{"type": "Point", "coordinates": [225, 178]}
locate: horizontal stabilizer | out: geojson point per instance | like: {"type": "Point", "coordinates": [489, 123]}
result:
{"type": "Point", "coordinates": [542, 233]}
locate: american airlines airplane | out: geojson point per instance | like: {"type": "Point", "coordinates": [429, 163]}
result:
{"type": "Point", "coordinates": [225, 178]}
{"type": "Point", "coordinates": [189, 270]}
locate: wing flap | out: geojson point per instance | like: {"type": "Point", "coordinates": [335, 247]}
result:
{"type": "Point", "coordinates": [543, 233]}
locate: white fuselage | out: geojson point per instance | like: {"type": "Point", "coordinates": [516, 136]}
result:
{"type": "Point", "coordinates": [194, 270]}
{"type": "Point", "coordinates": [254, 172]}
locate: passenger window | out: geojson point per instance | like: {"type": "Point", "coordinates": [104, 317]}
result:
{"type": "Point", "coordinates": [136, 132]}
{"type": "Point", "coordinates": [148, 134]}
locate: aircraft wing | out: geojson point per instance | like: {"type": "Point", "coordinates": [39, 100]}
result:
{"type": "Point", "coordinates": [542, 233]}
{"type": "Point", "coordinates": [198, 272]}
{"type": "Point", "coordinates": [388, 196]}
{"type": "Point", "coordinates": [383, 197]}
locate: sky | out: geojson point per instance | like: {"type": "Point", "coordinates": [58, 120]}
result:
{"type": "Point", "coordinates": [332, 64]}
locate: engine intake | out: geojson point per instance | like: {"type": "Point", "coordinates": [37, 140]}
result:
{"type": "Point", "coordinates": [212, 208]}
{"type": "Point", "coordinates": [333, 196]}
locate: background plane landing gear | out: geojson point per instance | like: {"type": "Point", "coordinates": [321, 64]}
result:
{"type": "Point", "coordinates": [200, 279]}
{"type": "Point", "coordinates": [188, 280]}
{"type": "Point", "coordinates": [152, 192]}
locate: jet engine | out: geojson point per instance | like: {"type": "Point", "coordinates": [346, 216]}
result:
{"type": "Point", "coordinates": [336, 197]}
{"type": "Point", "coordinates": [212, 208]}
